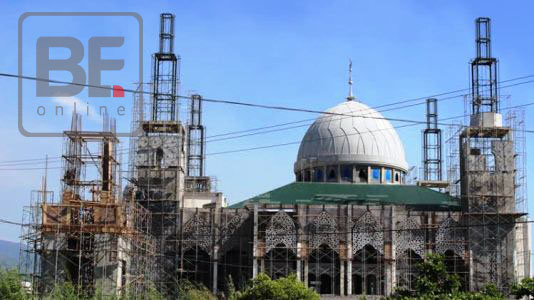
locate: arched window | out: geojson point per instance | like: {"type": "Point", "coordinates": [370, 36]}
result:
{"type": "Point", "coordinates": [456, 265]}
{"type": "Point", "coordinates": [280, 261]}
{"type": "Point", "coordinates": [397, 176]}
{"type": "Point", "coordinates": [371, 285]}
{"type": "Point", "coordinates": [159, 155]}
{"type": "Point", "coordinates": [233, 263]}
{"type": "Point", "coordinates": [197, 266]}
{"type": "Point", "coordinates": [332, 176]}
{"type": "Point", "coordinates": [299, 176]}
{"type": "Point", "coordinates": [307, 175]}
{"type": "Point", "coordinates": [375, 175]}
{"type": "Point", "coordinates": [323, 270]}
{"type": "Point", "coordinates": [319, 175]}
{"type": "Point", "coordinates": [369, 267]}
{"type": "Point", "coordinates": [388, 175]}
{"type": "Point", "coordinates": [357, 284]}
{"type": "Point", "coordinates": [362, 175]}
{"type": "Point", "coordinates": [407, 269]}
{"type": "Point", "coordinates": [346, 173]}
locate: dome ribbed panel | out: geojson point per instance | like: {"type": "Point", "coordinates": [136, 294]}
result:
{"type": "Point", "coordinates": [359, 134]}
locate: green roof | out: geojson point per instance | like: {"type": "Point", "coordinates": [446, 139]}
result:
{"type": "Point", "coordinates": [313, 193]}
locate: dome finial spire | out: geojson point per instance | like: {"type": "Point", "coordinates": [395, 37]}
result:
{"type": "Point", "coordinates": [350, 97]}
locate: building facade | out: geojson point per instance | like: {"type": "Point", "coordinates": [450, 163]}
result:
{"type": "Point", "coordinates": [350, 223]}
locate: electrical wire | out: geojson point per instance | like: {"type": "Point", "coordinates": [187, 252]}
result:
{"type": "Point", "coordinates": [277, 107]}
{"type": "Point", "coordinates": [233, 102]}
{"type": "Point", "coordinates": [125, 150]}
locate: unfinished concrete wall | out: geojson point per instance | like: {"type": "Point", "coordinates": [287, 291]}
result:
{"type": "Point", "coordinates": [487, 160]}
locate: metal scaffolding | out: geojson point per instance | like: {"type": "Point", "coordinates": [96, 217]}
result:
{"type": "Point", "coordinates": [195, 138]}
{"type": "Point", "coordinates": [157, 156]}
{"type": "Point", "coordinates": [432, 143]}
{"type": "Point", "coordinates": [196, 181]}
{"type": "Point", "coordinates": [453, 158]}
{"type": "Point", "coordinates": [484, 71]}
{"type": "Point", "coordinates": [488, 167]}
{"type": "Point", "coordinates": [92, 236]}
{"type": "Point", "coordinates": [515, 119]}
{"type": "Point", "coordinates": [165, 73]}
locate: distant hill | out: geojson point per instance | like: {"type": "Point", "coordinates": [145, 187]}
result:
{"type": "Point", "coordinates": [9, 254]}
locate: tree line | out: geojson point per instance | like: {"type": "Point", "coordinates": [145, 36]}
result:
{"type": "Point", "coordinates": [433, 283]}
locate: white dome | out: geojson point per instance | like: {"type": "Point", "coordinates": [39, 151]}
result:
{"type": "Point", "coordinates": [366, 138]}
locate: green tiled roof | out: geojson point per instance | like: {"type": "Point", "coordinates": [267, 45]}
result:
{"type": "Point", "coordinates": [313, 193]}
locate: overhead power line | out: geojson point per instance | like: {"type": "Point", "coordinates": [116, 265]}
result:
{"type": "Point", "coordinates": [125, 150]}
{"type": "Point", "coordinates": [241, 103]}
{"type": "Point", "coordinates": [28, 161]}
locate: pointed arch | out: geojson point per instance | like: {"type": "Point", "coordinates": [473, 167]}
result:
{"type": "Point", "coordinates": [410, 236]}
{"type": "Point", "coordinates": [324, 231]}
{"type": "Point", "coordinates": [197, 232]}
{"type": "Point", "coordinates": [368, 271]}
{"type": "Point", "coordinates": [323, 270]}
{"type": "Point", "coordinates": [367, 231]}
{"type": "Point", "coordinates": [232, 226]}
{"type": "Point", "coordinates": [450, 237]}
{"type": "Point", "coordinates": [406, 269]}
{"type": "Point", "coordinates": [281, 230]}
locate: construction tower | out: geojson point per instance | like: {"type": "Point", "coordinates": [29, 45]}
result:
{"type": "Point", "coordinates": [158, 170]}
{"type": "Point", "coordinates": [432, 149]}
{"type": "Point", "coordinates": [91, 237]}
{"type": "Point", "coordinates": [487, 170]}
{"type": "Point", "coordinates": [195, 180]}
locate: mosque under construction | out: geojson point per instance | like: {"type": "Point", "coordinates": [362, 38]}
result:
{"type": "Point", "coordinates": [354, 221]}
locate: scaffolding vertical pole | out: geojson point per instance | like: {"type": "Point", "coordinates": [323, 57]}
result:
{"type": "Point", "coordinates": [195, 138]}
{"type": "Point", "coordinates": [165, 64]}
{"type": "Point", "coordinates": [484, 72]}
{"type": "Point", "coordinates": [487, 164]}
{"type": "Point", "coordinates": [432, 143]}
{"type": "Point", "coordinates": [159, 149]}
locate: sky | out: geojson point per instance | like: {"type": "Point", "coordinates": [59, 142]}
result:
{"type": "Point", "coordinates": [283, 53]}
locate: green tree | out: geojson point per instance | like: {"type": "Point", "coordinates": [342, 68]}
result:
{"type": "Point", "coordinates": [11, 285]}
{"type": "Point", "coordinates": [190, 291]}
{"type": "Point", "coordinates": [523, 289]}
{"type": "Point", "coordinates": [433, 278]}
{"type": "Point", "coordinates": [285, 288]}
{"type": "Point", "coordinates": [434, 283]}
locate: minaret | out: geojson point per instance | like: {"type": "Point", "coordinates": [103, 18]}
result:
{"type": "Point", "coordinates": [350, 97]}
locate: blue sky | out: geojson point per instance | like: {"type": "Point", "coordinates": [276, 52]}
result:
{"type": "Point", "coordinates": [289, 53]}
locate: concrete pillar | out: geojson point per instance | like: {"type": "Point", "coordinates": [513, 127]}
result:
{"type": "Point", "coordinates": [349, 250]}
{"type": "Point", "coordinates": [391, 267]}
{"type": "Point", "coordinates": [254, 268]}
{"type": "Point", "coordinates": [255, 244]}
{"type": "Point", "coordinates": [216, 221]}
{"type": "Point", "coordinates": [471, 272]}
{"type": "Point", "coordinates": [299, 273]}
{"type": "Point", "coordinates": [430, 221]}
{"type": "Point", "coordinates": [214, 283]}
{"type": "Point", "coordinates": [342, 278]}
{"type": "Point", "coordinates": [306, 272]}
{"type": "Point", "coordinates": [299, 242]}
{"type": "Point", "coordinates": [349, 277]}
